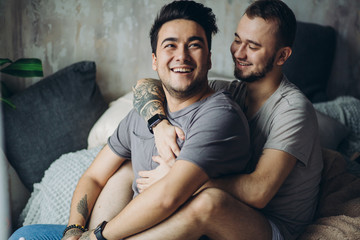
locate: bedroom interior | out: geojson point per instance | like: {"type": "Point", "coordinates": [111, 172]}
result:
{"type": "Point", "coordinates": [92, 54]}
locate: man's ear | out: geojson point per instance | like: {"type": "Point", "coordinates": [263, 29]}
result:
{"type": "Point", "coordinates": [154, 62]}
{"type": "Point", "coordinates": [283, 54]}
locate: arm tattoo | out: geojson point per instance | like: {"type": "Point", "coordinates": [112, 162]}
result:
{"type": "Point", "coordinates": [149, 97]}
{"type": "Point", "coordinates": [82, 207]}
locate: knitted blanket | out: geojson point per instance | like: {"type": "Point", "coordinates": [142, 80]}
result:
{"type": "Point", "coordinates": [345, 109]}
{"type": "Point", "coordinates": [49, 203]}
{"type": "Point", "coordinates": [338, 213]}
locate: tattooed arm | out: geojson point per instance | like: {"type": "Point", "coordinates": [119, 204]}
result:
{"type": "Point", "coordinates": [89, 187]}
{"type": "Point", "coordinates": [149, 98]}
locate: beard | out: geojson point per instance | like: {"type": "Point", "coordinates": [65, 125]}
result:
{"type": "Point", "coordinates": [255, 75]}
{"type": "Point", "coordinates": [194, 88]}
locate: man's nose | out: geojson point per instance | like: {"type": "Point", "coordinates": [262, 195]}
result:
{"type": "Point", "coordinates": [240, 51]}
{"type": "Point", "coordinates": [182, 54]}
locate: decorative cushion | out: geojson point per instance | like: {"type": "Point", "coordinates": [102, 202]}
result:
{"type": "Point", "coordinates": [110, 120]}
{"type": "Point", "coordinates": [331, 131]}
{"type": "Point", "coordinates": [52, 117]}
{"type": "Point", "coordinates": [309, 66]}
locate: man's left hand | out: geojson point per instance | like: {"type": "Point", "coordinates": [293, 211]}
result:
{"type": "Point", "coordinates": [148, 178]}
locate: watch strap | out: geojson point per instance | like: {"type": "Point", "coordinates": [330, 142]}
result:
{"type": "Point", "coordinates": [155, 120]}
{"type": "Point", "coordinates": [98, 231]}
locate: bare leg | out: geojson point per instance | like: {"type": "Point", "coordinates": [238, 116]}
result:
{"type": "Point", "coordinates": [213, 213]}
{"type": "Point", "coordinates": [116, 194]}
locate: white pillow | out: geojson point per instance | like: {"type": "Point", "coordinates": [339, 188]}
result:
{"type": "Point", "coordinates": [108, 122]}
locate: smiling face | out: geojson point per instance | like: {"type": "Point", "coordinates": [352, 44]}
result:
{"type": "Point", "coordinates": [182, 58]}
{"type": "Point", "coordinates": [254, 48]}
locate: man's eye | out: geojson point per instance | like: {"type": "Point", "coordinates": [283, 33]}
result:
{"type": "Point", "coordinates": [236, 40]}
{"type": "Point", "coordinates": [194, 45]}
{"type": "Point", "coordinates": [253, 47]}
{"type": "Point", "coordinates": [169, 46]}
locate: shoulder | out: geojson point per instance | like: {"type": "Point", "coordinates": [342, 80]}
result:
{"type": "Point", "coordinates": [220, 103]}
{"type": "Point", "coordinates": [289, 98]}
{"type": "Point", "coordinates": [219, 111]}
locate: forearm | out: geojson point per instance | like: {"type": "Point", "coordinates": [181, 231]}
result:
{"type": "Point", "coordinates": [158, 202]}
{"type": "Point", "coordinates": [241, 186]}
{"type": "Point", "coordinates": [149, 97]}
{"type": "Point", "coordinates": [83, 200]}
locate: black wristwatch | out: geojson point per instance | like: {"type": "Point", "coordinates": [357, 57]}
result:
{"type": "Point", "coordinates": [155, 120]}
{"type": "Point", "coordinates": [99, 229]}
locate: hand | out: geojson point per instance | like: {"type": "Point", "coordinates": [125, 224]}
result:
{"type": "Point", "coordinates": [72, 234]}
{"type": "Point", "coordinates": [165, 139]}
{"type": "Point", "coordinates": [88, 235]}
{"type": "Point", "coordinates": [148, 178]}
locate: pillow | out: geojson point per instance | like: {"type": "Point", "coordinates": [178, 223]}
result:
{"type": "Point", "coordinates": [51, 199]}
{"type": "Point", "coordinates": [310, 64]}
{"type": "Point", "coordinates": [331, 132]}
{"type": "Point", "coordinates": [52, 117]}
{"type": "Point", "coordinates": [110, 120]}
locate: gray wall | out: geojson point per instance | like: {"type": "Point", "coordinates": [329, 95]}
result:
{"type": "Point", "coordinates": [114, 33]}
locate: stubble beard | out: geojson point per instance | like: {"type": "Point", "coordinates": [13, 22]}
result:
{"type": "Point", "coordinates": [196, 87]}
{"type": "Point", "coordinates": [257, 75]}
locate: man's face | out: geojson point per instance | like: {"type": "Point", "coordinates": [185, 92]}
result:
{"type": "Point", "coordinates": [254, 48]}
{"type": "Point", "coordinates": [182, 58]}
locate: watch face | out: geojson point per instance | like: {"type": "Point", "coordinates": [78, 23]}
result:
{"type": "Point", "coordinates": [98, 230]}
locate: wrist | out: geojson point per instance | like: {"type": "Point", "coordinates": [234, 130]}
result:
{"type": "Point", "coordinates": [74, 230]}
{"type": "Point", "coordinates": [155, 120]}
{"type": "Point", "coordinates": [99, 231]}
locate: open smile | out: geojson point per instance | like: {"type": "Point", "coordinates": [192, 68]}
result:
{"type": "Point", "coordinates": [243, 64]}
{"type": "Point", "coordinates": [182, 70]}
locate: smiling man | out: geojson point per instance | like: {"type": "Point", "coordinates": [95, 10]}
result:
{"type": "Point", "coordinates": [277, 197]}
{"type": "Point", "coordinates": [181, 43]}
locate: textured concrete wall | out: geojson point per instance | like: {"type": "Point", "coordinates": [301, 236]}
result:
{"type": "Point", "coordinates": [114, 34]}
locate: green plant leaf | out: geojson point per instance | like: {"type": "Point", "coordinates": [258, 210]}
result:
{"type": "Point", "coordinates": [24, 67]}
{"type": "Point", "coordinates": [7, 102]}
{"type": "Point", "coordinates": [4, 60]}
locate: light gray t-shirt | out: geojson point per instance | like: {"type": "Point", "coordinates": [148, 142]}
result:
{"type": "Point", "coordinates": [217, 137]}
{"type": "Point", "coordinates": [287, 122]}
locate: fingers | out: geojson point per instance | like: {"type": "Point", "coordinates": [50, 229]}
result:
{"type": "Point", "coordinates": [145, 174]}
{"type": "Point", "coordinates": [142, 184]}
{"type": "Point", "coordinates": [180, 133]}
{"type": "Point", "coordinates": [158, 159]}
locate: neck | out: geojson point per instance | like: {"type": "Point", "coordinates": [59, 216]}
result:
{"type": "Point", "coordinates": [260, 91]}
{"type": "Point", "coordinates": [176, 104]}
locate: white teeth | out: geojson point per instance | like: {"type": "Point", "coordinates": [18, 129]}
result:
{"type": "Point", "coordinates": [182, 70]}
{"type": "Point", "coordinates": [244, 64]}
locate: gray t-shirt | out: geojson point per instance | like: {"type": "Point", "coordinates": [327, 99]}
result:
{"type": "Point", "coordinates": [287, 122]}
{"type": "Point", "coordinates": [217, 137]}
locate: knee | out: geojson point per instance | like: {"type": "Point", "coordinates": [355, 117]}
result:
{"type": "Point", "coordinates": [207, 203]}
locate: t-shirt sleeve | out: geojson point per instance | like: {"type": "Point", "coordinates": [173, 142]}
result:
{"type": "Point", "coordinates": [218, 142]}
{"type": "Point", "coordinates": [294, 130]}
{"type": "Point", "coordinates": [236, 90]}
{"type": "Point", "coordinates": [119, 142]}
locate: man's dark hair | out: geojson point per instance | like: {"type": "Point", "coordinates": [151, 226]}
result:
{"type": "Point", "coordinates": [188, 10]}
{"type": "Point", "coordinates": [276, 10]}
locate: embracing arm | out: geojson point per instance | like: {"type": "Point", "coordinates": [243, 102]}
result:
{"type": "Point", "coordinates": [90, 186]}
{"type": "Point", "coordinates": [157, 202]}
{"type": "Point", "coordinates": [149, 98]}
{"type": "Point", "coordinates": [259, 187]}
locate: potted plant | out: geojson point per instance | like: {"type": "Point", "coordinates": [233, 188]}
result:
{"type": "Point", "coordinates": [23, 67]}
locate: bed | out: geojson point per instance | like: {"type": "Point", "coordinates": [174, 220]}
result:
{"type": "Point", "coordinates": [62, 122]}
